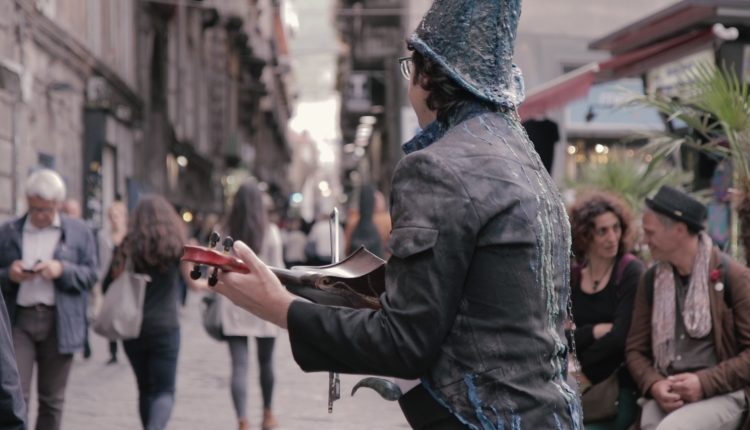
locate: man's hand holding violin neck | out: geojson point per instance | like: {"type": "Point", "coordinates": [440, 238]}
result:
{"type": "Point", "coordinates": [259, 292]}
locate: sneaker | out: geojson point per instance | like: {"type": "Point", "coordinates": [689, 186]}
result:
{"type": "Point", "coordinates": [112, 360]}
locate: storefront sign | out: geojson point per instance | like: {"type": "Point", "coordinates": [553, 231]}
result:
{"type": "Point", "coordinates": [669, 78]}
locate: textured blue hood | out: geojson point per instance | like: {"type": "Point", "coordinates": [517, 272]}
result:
{"type": "Point", "coordinates": [474, 40]}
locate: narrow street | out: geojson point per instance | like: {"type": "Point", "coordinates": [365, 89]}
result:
{"type": "Point", "coordinates": [104, 397]}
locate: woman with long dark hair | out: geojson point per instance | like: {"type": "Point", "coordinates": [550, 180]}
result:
{"type": "Point", "coordinates": [603, 280]}
{"type": "Point", "coordinates": [248, 221]}
{"type": "Point", "coordinates": [154, 246]}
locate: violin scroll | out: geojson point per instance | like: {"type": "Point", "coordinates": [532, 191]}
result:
{"type": "Point", "coordinates": [211, 257]}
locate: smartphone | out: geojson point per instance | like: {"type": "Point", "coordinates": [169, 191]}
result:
{"type": "Point", "coordinates": [31, 270]}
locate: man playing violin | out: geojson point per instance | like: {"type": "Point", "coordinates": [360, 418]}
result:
{"type": "Point", "coordinates": [477, 282]}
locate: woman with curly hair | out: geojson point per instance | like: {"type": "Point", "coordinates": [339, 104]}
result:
{"type": "Point", "coordinates": [154, 245]}
{"type": "Point", "coordinates": [604, 279]}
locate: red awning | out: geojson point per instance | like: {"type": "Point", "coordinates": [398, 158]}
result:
{"type": "Point", "coordinates": [559, 92]}
{"type": "Point", "coordinates": [576, 84]}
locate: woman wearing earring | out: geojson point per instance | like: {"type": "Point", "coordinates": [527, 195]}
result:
{"type": "Point", "coordinates": [604, 278]}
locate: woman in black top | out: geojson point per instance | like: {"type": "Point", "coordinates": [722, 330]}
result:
{"type": "Point", "coordinates": [604, 279]}
{"type": "Point", "coordinates": [154, 246]}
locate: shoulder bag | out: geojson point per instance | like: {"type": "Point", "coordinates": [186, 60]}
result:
{"type": "Point", "coordinates": [121, 312]}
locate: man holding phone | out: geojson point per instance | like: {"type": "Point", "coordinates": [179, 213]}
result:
{"type": "Point", "coordinates": [47, 266]}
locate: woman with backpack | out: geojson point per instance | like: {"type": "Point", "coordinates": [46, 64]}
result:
{"type": "Point", "coordinates": [604, 279]}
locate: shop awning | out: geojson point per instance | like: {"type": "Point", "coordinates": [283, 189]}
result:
{"type": "Point", "coordinates": [576, 84]}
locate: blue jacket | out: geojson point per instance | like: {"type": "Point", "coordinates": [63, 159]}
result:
{"type": "Point", "coordinates": [77, 252]}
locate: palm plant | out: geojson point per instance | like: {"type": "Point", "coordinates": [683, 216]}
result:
{"type": "Point", "coordinates": [630, 178]}
{"type": "Point", "coordinates": [714, 104]}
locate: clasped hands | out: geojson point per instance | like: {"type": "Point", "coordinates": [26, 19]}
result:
{"type": "Point", "coordinates": [676, 391]}
{"type": "Point", "coordinates": [49, 270]}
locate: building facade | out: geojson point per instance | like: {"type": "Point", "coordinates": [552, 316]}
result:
{"type": "Point", "coordinates": [126, 97]}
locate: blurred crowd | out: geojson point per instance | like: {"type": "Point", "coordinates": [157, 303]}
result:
{"type": "Point", "coordinates": [55, 271]}
{"type": "Point", "coordinates": [634, 366]}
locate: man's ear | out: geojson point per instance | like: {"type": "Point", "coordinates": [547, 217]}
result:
{"type": "Point", "coordinates": [682, 229]}
{"type": "Point", "coordinates": [423, 81]}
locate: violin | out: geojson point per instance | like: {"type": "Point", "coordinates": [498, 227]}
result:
{"type": "Point", "coordinates": [355, 282]}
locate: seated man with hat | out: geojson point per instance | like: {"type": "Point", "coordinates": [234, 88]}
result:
{"type": "Point", "coordinates": [688, 343]}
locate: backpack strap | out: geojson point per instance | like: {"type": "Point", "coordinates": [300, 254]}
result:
{"type": "Point", "coordinates": [624, 262]}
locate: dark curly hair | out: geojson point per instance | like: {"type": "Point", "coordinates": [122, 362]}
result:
{"type": "Point", "coordinates": [583, 215]}
{"type": "Point", "coordinates": [156, 235]}
{"type": "Point", "coordinates": [446, 95]}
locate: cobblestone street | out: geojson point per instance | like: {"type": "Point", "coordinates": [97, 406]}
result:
{"type": "Point", "coordinates": [104, 397]}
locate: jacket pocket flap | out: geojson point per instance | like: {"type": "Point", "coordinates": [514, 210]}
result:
{"type": "Point", "coordinates": [407, 241]}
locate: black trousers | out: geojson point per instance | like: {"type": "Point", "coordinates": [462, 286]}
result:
{"type": "Point", "coordinates": [424, 413]}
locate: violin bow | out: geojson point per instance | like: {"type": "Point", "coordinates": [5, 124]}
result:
{"type": "Point", "coordinates": [334, 382]}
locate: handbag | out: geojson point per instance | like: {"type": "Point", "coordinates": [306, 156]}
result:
{"type": "Point", "coordinates": [600, 401]}
{"type": "Point", "coordinates": [211, 316]}
{"type": "Point", "coordinates": [121, 312]}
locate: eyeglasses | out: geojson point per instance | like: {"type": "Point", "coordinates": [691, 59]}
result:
{"type": "Point", "coordinates": [406, 64]}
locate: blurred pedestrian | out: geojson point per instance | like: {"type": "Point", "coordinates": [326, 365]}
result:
{"type": "Point", "coordinates": [110, 241]}
{"type": "Point", "coordinates": [248, 221]}
{"type": "Point", "coordinates": [688, 348]}
{"type": "Point", "coordinates": [365, 232]}
{"type": "Point", "coordinates": [318, 246]}
{"type": "Point", "coordinates": [294, 243]}
{"type": "Point", "coordinates": [12, 405]}
{"type": "Point", "coordinates": [382, 220]}
{"type": "Point", "coordinates": [603, 283]}
{"type": "Point", "coordinates": [72, 208]}
{"type": "Point", "coordinates": [477, 286]}
{"type": "Point", "coordinates": [154, 244]}
{"type": "Point", "coordinates": [47, 266]}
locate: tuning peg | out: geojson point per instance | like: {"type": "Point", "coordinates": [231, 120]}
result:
{"type": "Point", "coordinates": [228, 242]}
{"type": "Point", "coordinates": [214, 239]}
{"type": "Point", "coordinates": [214, 278]}
{"type": "Point", "coordinates": [196, 273]}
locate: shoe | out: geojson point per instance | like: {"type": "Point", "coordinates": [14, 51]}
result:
{"type": "Point", "coordinates": [244, 424]}
{"type": "Point", "coordinates": [112, 360]}
{"type": "Point", "coordinates": [269, 420]}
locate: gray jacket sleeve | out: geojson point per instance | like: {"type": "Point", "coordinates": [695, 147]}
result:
{"type": "Point", "coordinates": [432, 242]}
{"type": "Point", "coordinates": [12, 408]}
{"type": "Point", "coordinates": [79, 263]}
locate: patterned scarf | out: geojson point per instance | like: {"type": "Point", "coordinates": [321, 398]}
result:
{"type": "Point", "coordinates": [696, 313]}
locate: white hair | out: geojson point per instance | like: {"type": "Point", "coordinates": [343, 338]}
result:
{"type": "Point", "coordinates": [45, 184]}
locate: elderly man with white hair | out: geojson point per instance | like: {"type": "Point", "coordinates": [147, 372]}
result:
{"type": "Point", "coordinates": [47, 266]}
